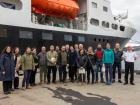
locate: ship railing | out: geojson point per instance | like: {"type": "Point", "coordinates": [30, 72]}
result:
{"type": "Point", "coordinates": [79, 23]}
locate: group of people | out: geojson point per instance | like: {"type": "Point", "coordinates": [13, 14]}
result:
{"type": "Point", "coordinates": [72, 62]}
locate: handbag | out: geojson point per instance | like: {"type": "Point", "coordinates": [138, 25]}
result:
{"type": "Point", "coordinates": [82, 70]}
{"type": "Point", "coordinates": [93, 66]}
{"type": "Point", "coordinates": [2, 76]}
{"type": "Point", "coordinates": [19, 72]}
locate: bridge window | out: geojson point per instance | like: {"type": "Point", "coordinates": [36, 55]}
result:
{"type": "Point", "coordinates": [114, 26]}
{"type": "Point", "coordinates": [122, 28]}
{"type": "Point", "coordinates": [94, 22]}
{"type": "Point", "coordinates": [105, 24]}
{"type": "Point", "coordinates": [105, 9]}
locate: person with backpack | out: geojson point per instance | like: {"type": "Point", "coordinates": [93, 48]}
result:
{"type": "Point", "coordinates": [99, 63]}
{"type": "Point", "coordinates": [7, 69]}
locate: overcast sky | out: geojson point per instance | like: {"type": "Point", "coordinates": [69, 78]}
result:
{"type": "Point", "coordinates": [133, 7]}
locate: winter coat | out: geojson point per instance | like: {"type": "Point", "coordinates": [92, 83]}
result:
{"type": "Point", "coordinates": [82, 61]}
{"type": "Point", "coordinates": [62, 58]}
{"type": "Point", "coordinates": [7, 65]}
{"type": "Point", "coordinates": [42, 57]}
{"type": "Point", "coordinates": [118, 56]}
{"type": "Point", "coordinates": [72, 58]}
{"type": "Point", "coordinates": [17, 62]}
{"type": "Point", "coordinates": [27, 62]}
{"type": "Point", "coordinates": [91, 59]}
{"type": "Point", "coordinates": [52, 55]}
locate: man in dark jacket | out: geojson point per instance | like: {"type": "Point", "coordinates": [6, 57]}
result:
{"type": "Point", "coordinates": [62, 62]}
{"type": "Point", "coordinates": [117, 62]}
{"type": "Point", "coordinates": [72, 64]}
{"type": "Point", "coordinates": [91, 62]}
{"type": "Point", "coordinates": [42, 57]}
{"type": "Point", "coordinates": [67, 48]}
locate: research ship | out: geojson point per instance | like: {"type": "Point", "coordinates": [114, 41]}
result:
{"type": "Point", "coordinates": [37, 23]}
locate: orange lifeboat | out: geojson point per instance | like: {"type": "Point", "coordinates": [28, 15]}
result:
{"type": "Point", "coordinates": [57, 8]}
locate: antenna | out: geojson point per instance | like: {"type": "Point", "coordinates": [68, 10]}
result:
{"type": "Point", "coordinates": [122, 16]}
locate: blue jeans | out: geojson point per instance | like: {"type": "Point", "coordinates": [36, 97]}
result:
{"type": "Point", "coordinates": [26, 78]}
{"type": "Point", "coordinates": [108, 70]}
{"type": "Point", "coordinates": [99, 65]}
{"type": "Point", "coordinates": [118, 67]}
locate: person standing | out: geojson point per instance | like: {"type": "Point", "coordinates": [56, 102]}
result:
{"type": "Point", "coordinates": [72, 64]}
{"type": "Point", "coordinates": [117, 62]}
{"type": "Point", "coordinates": [7, 69]}
{"type": "Point", "coordinates": [17, 59]}
{"type": "Point", "coordinates": [129, 57]}
{"type": "Point", "coordinates": [27, 62]}
{"type": "Point", "coordinates": [99, 63]}
{"type": "Point", "coordinates": [91, 65]}
{"type": "Point", "coordinates": [67, 47]}
{"type": "Point", "coordinates": [76, 48]}
{"type": "Point", "coordinates": [52, 61]}
{"type": "Point", "coordinates": [57, 49]}
{"type": "Point", "coordinates": [62, 62]}
{"type": "Point", "coordinates": [42, 59]}
{"type": "Point", "coordinates": [81, 47]}
{"type": "Point", "coordinates": [81, 63]}
{"type": "Point", "coordinates": [34, 71]}
{"type": "Point", "coordinates": [108, 60]}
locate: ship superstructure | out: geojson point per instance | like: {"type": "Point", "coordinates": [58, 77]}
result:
{"type": "Point", "coordinates": [45, 22]}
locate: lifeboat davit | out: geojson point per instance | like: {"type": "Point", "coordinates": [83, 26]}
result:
{"type": "Point", "coordinates": [57, 8]}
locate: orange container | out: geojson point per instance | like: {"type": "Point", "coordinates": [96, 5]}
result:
{"type": "Point", "coordinates": [57, 8]}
